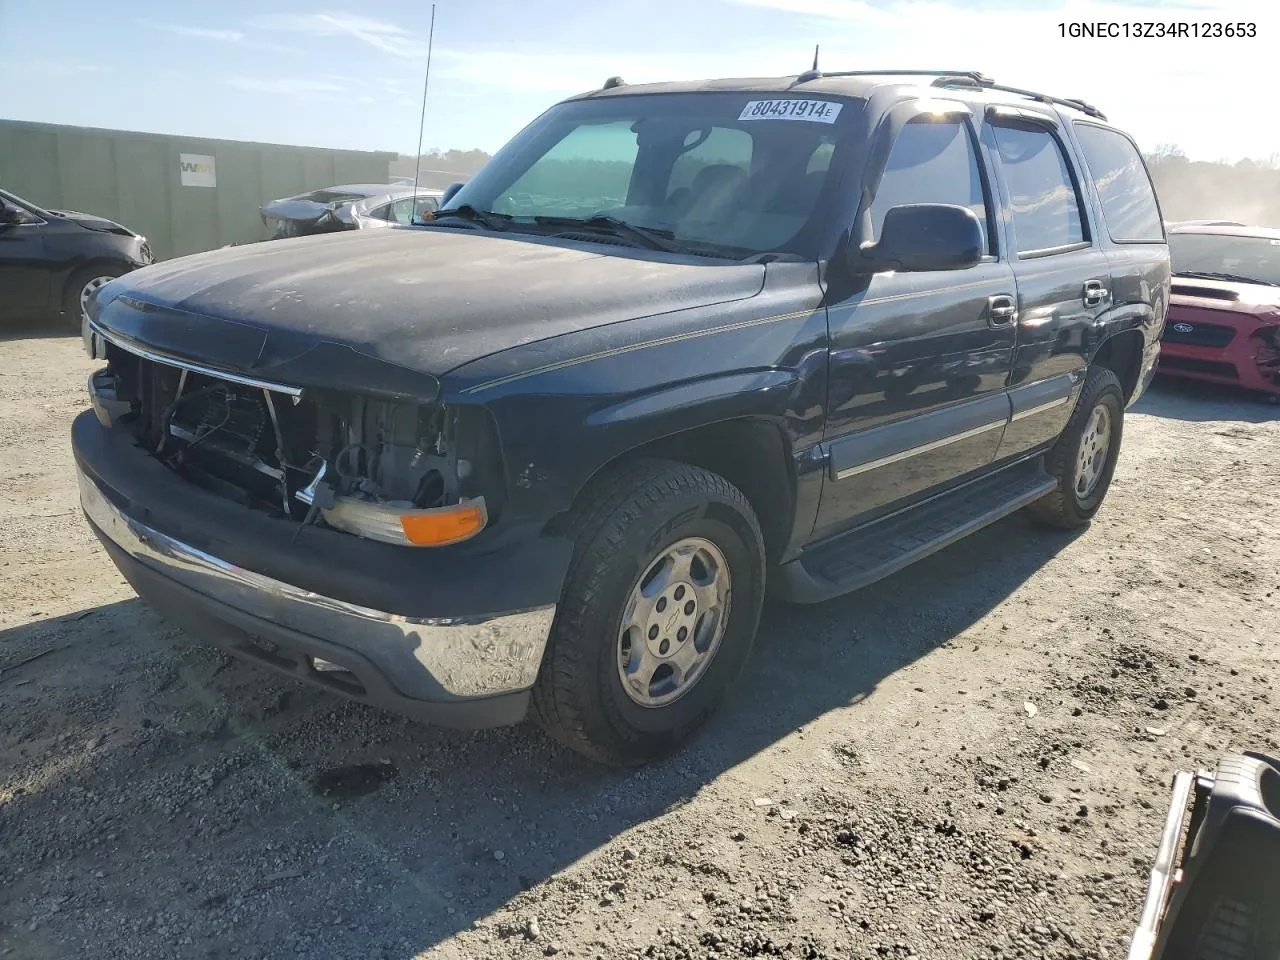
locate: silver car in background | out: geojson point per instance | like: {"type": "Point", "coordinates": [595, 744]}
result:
{"type": "Point", "coordinates": [350, 206]}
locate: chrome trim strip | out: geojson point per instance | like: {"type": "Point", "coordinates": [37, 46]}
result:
{"type": "Point", "coordinates": [126, 344]}
{"type": "Point", "coordinates": [916, 451]}
{"type": "Point", "coordinates": [1040, 408]}
{"type": "Point", "coordinates": [421, 657]}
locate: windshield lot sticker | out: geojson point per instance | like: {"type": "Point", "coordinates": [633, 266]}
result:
{"type": "Point", "coordinates": [814, 111]}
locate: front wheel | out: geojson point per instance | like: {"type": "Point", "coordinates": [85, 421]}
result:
{"type": "Point", "coordinates": [1084, 458]}
{"type": "Point", "coordinates": [658, 615]}
{"type": "Point", "coordinates": [84, 283]}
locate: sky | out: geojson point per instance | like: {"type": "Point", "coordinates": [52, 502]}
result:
{"type": "Point", "coordinates": [334, 73]}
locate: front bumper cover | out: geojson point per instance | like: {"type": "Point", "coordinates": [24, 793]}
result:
{"type": "Point", "coordinates": [469, 673]}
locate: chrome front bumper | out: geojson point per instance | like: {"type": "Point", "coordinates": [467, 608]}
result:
{"type": "Point", "coordinates": [445, 661]}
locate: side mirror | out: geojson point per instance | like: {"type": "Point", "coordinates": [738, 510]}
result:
{"type": "Point", "coordinates": [450, 192]}
{"type": "Point", "coordinates": [917, 237]}
{"type": "Point", "coordinates": [10, 216]}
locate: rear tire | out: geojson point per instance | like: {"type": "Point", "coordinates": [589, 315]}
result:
{"type": "Point", "coordinates": [683, 544]}
{"type": "Point", "coordinates": [80, 285]}
{"type": "Point", "coordinates": [1084, 458]}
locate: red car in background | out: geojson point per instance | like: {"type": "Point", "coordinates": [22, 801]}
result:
{"type": "Point", "coordinates": [1223, 322]}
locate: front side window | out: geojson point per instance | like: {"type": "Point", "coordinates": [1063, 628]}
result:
{"type": "Point", "coordinates": [932, 162]}
{"type": "Point", "coordinates": [721, 174]}
{"type": "Point", "coordinates": [1226, 257]}
{"type": "Point", "coordinates": [1046, 205]}
{"type": "Point", "coordinates": [1128, 201]}
{"type": "Point", "coordinates": [408, 210]}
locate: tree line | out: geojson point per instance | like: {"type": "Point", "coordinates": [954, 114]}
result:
{"type": "Point", "coordinates": [1247, 191]}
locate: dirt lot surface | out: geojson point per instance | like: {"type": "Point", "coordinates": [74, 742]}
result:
{"type": "Point", "coordinates": [970, 759]}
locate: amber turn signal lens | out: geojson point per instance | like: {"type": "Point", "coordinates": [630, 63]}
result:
{"type": "Point", "coordinates": [441, 526]}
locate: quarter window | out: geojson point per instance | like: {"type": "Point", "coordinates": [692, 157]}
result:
{"type": "Point", "coordinates": [1042, 192]}
{"type": "Point", "coordinates": [1128, 202]}
{"type": "Point", "coordinates": [932, 162]}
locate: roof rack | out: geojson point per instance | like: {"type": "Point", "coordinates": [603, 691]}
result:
{"type": "Point", "coordinates": [955, 78]}
{"type": "Point", "coordinates": [808, 75]}
{"type": "Point", "coordinates": [985, 83]}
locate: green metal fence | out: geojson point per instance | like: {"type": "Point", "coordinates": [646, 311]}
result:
{"type": "Point", "coordinates": [185, 194]}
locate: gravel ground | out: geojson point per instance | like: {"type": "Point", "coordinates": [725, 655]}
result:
{"type": "Point", "coordinates": [969, 760]}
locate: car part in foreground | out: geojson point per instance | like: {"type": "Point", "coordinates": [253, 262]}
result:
{"type": "Point", "coordinates": [1213, 897]}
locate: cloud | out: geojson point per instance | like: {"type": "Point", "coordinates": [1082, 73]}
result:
{"type": "Point", "coordinates": [286, 86]}
{"type": "Point", "coordinates": [379, 34]}
{"type": "Point", "coordinates": [203, 33]}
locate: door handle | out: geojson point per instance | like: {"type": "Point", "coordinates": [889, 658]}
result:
{"type": "Point", "coordinates": [1094, 293]}
{"type": "Point", "coordinates": [1002, 310]}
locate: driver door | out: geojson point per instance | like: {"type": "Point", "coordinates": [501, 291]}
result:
{"type": "Point", "coordinates": [919, 361]}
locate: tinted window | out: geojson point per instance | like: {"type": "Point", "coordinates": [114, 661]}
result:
{"type": "Point", "coordinates": [1128, 202]}
{"type": "Point", "coordinates": [1046, 206]}
{"type": "Point", "coordinates": [588, 171]}
{"type": "Point", "coordinates": [931, 163]}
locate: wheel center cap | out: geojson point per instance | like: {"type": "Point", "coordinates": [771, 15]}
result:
{"type": "Point", "coordinates": [676, 618]}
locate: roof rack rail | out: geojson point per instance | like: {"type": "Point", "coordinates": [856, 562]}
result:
{"type": "Point", "coordinates": [808, 75]}
{"type": "Point", "coordinates": [985, 83]}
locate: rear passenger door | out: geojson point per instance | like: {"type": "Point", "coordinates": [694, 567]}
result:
{"type": "Point", "coordinates": [1132, 232]}
{"type": "Point", "coordinates": [1062, 273]}
{"type": "Point", "coordinates": [918, 361]}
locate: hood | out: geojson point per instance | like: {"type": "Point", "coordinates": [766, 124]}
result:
{"type": "Point", "coordinates": [423, 300]}
{"type": "Point", "coordinates": [1227, 295]}
{"type": "Point", "coordinates": [90, 222]}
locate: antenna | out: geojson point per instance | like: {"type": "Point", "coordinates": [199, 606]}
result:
{"type": "Point", "coordinates": [422, 120]}
{"type": "Point", "coordinates": [815, 58]}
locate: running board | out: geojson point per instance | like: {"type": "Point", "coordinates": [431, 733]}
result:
{"type": "Point", "coordinates": [871, 552]}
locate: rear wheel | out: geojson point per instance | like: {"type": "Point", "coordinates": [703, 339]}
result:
{"type": "Point", "coordinates": [1084, 458]}
{"type": "Point", "coordinates": [82, 285]}
{"type": "Point", "coordinates": [659, 613]}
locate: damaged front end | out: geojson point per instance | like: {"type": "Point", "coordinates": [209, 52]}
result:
{"type": "Point", "coordinates": [397, 470]}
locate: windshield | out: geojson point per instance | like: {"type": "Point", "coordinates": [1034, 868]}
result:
{"type": "Point", "coordinates": [723, 174]}
{"type": "Point", "coordinates": [1250, 258]}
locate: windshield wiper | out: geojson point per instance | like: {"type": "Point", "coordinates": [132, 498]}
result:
{"type": "Point", "coordinates": [1233, 277]}
{"type": "Point", "coordinates": [643, 236]}
{"type": "Point", "coordinates": [486, 218]}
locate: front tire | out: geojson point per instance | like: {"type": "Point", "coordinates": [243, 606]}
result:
{"type": "Point", "coordinates": [1084, 458]}
{"type": "Point", "coordinates": [658, 615]}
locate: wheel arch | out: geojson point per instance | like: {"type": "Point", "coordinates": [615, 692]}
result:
{"type": "Point", "coordinates": [751, 452]}
{"type": "Point", "coordinates": [1121, 353]}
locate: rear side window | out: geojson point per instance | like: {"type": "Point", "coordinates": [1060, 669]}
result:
{"type": "Point", "coordinates": [932, 163]}
{"type": "Point", "coordinates": [1042, 192]}
{"type": "Point", "coordinates": [1128, 202]}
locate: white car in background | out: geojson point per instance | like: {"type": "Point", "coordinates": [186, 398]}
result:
{"type": "Point", "coordinates": [350, 206]}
